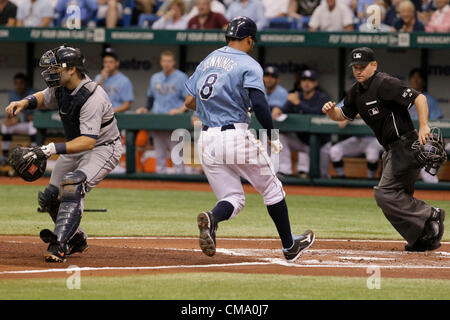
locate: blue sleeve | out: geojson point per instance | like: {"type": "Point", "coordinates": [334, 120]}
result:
{"type": "Point", "coordinates": [97, 77]}
{"type": "Point", "coordinates": [433, 109]}
{"type": "Point", "coordinates": [183, 91]}
{"type": "Point", "coordinates": [61, 6]}
{"type": "Point", "coordinates": [261, 19]}
{"type": "Point", "coordinates": [150, 92]}
{"type": "Point", "coordinates": [253, 78]}
{"type": "Point", "coordinates": [126, 91]}
{"type": "Point", "coordinates": [91, 5]}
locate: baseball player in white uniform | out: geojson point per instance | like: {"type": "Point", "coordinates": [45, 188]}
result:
{"type": "Point", "coordinates": [223, 87]}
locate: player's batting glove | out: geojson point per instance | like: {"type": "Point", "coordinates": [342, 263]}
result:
{"type": "Point", "coordinates": [276, 146]}
{"type": "Point", "coordinates": [43, 152]}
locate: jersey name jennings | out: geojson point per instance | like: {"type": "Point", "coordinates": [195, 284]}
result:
{"type": "Point", "coordinates": [219, 62]}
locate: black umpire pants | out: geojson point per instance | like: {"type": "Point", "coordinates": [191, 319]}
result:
{"type": "Point", "coordinates": [394, 193]}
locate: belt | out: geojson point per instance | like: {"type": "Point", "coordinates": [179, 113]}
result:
{"type": "Point", "coordinates": [403, 137]}
{"type": "Point", "coordinates": [222, 128]}
{"type": "Point", "coordinates": [109, 142]}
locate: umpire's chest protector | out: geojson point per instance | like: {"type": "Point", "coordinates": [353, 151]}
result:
{"type": "Point", "coordinates": [371, 105]}
{"type": "Point", "coordinates": [69, 107]}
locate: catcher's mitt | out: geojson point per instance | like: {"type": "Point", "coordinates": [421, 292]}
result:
{"type": "Point", "coordinates": [432, 154]}
{"type": "Point", "coordinates": [30, 168]}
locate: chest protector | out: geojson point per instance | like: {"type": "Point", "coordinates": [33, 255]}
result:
{"type": "Point", "coordinates": [69, 107]}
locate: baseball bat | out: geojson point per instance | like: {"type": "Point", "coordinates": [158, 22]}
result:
{"type": "Point", "coordinates": [39, 209]}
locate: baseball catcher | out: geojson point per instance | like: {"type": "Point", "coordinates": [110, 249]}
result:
{"type": "Point", "coordinates": [92, 150]}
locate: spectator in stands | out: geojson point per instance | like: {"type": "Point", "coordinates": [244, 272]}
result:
{"type": "Point", "coordinates": [331, 16]}
{"type": "Point", "coordinates": [142, 7]}
{"type": "Point", "coordinates": [427, 10]}
{"type": "Point", "coordinates": [408, 21]}
{"type": "Point", "coordinates": [362, 6]}
{"type": "Point", "coordinates": [35, 13]}
{"type": "Point", "coordinates": [276, 94]}
{"type": "Point", "coordinates": [87, 9]}
{"type": "Point", "coordinates": [109, 12]}
{"type": "Point", "coordinates": [392, 13]}
{"type": "Point", "coordinates": [21, 124]}
{"type": "Point", "coordinates": [188, 5]}
{"type": "Point", "coordinates": [117, 85]}
{"type": "Point", "coordinates": [8, 12]}
{"type": "Point", "coordinates": [166, 94]}
{"type": "Point", "coordinates": [275, 8]}
{"type": "Point", "coordinates": [440, 20]}
{"type": "Point", "coordinates": [302, 8]}
{"type": "Point", "coordinates": [417, 81]}
{"type": "Point", "coordinates": [215, 6]}
{"type": "Point", "coordinates": [371, 26]}
{"type": "Point", "coordinates": [174, 18]}
{"type": "Point", "coordinates": [206, 18]}
{"type": "Point", "coordinates": [249, 8]}
{"type": "Point", "coordinates": [307, 100]}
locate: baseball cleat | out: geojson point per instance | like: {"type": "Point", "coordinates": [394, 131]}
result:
{"type": "Point", "coordinates": [55, 254]}
{"type": "Point", "coordinates": [301, 243]}
{"type": "Point", "coordinates": [207, 227]}
{"type": "Point", "coordinates": [435, 231]}
{"type": "Point", "coordinates": [78, 243]}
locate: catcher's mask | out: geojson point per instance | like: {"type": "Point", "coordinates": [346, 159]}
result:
{"type": "Point", "coordinates": [30, 169]}
{"type": "Point", "coordinates": [432, 154]}
{"type": "Point", "coordinates": [56, 59]}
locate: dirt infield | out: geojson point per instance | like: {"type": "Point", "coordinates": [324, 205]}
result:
{"type": "Point", "coordinates": [22, 257]}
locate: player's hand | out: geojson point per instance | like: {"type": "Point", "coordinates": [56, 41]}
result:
{"type": "Point", "coordinates": [43, 152]}
{"type": "Point", "coordinates": [276, 146]}
{"type": "Point", "coordinates": [276, 112]}
{"type": "Point", "coordinates": [327, 107]}
{"type": "Point", "coordinates": [424, 134]}
{"type": "Point", "coordinates": [141, 110]}
{"type": "Point", "coordinates": [293, 98]}
{"type": "Point", "coordinates": [343, 124]}
{"type": "Point", "coordinates": [15, 107]}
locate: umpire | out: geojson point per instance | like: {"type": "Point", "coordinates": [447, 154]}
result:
{"type": "Point", "coordinates": [382, 101]}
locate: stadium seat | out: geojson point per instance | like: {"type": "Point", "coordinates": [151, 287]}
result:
{"type": "Point", "coordinates": [303, 23]}
{"type": "Point", "coordinates": [146, 20]}
{"type": "Point", "coordinates": [282, 23]}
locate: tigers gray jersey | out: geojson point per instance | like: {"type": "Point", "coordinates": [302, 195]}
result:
{"type": "Point", "coordinates": [96, 110]}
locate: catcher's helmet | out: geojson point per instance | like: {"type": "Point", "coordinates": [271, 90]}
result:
{"type": "Point", "coordinates": [31, 168]}
{"type": "Point", "coordinates": [57, 58]}
{"type": "Point", "coordinates": [432, 154]}
{"type": "Point", "coordinates": [241, 28]}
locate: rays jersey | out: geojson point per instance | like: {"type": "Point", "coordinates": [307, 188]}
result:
{"type": "Point", "coordinates": [220, 86]}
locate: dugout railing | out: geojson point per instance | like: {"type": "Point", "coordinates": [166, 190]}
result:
{"type": "Point", "coordinates": [314, 125]}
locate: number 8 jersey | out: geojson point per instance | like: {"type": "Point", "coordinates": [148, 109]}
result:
{"type": "Point", "coordinates": [219, 86]}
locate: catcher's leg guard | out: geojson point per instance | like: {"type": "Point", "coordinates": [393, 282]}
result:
{"type": "Point", "coordinates": [48, 200]}
{"type": "Point", "coordinates": [69, 214]}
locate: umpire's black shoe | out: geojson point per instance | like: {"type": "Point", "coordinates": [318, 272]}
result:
{"type": "Point", "coordinates": [207, 226]}
{"type": "Point", "coordinates": [55, 252]}
{"type": "Point", "coordinates": [78, 243]}
{"type": "Point", "coordinates": [432, 235]}
{"type": "Point", "coordinates": [301, 243]}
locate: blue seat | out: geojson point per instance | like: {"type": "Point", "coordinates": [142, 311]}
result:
{"type": "Point", "coordinates": [282, 23]}
{"type": "Point", "coordinates": [303, 23]}
{"type": "Point", "coordinates": [146, 20]}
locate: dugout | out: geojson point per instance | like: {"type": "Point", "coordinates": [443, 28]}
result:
{"type": "Point", "coordinates": [327, 53]}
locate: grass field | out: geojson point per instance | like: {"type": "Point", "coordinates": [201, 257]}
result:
{"type": "Point", "coordinates": [151, 213]}
{"type": "Point", "coordinates": [194, 286]}
{"type": "Point", "coordinates": [162, 212]}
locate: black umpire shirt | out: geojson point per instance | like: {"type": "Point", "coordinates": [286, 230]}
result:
{"type": "Point", "coordinates": [382, 102]}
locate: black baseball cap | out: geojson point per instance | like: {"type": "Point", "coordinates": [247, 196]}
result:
{"type": "Point", "coordinates": [271, 71]}
{"type": "Point", "coordinates": [362, 56]}
{"type": "Point", "coordinates": [110, 52]}
{"type": "Point", "coordinates": [308, 74]}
